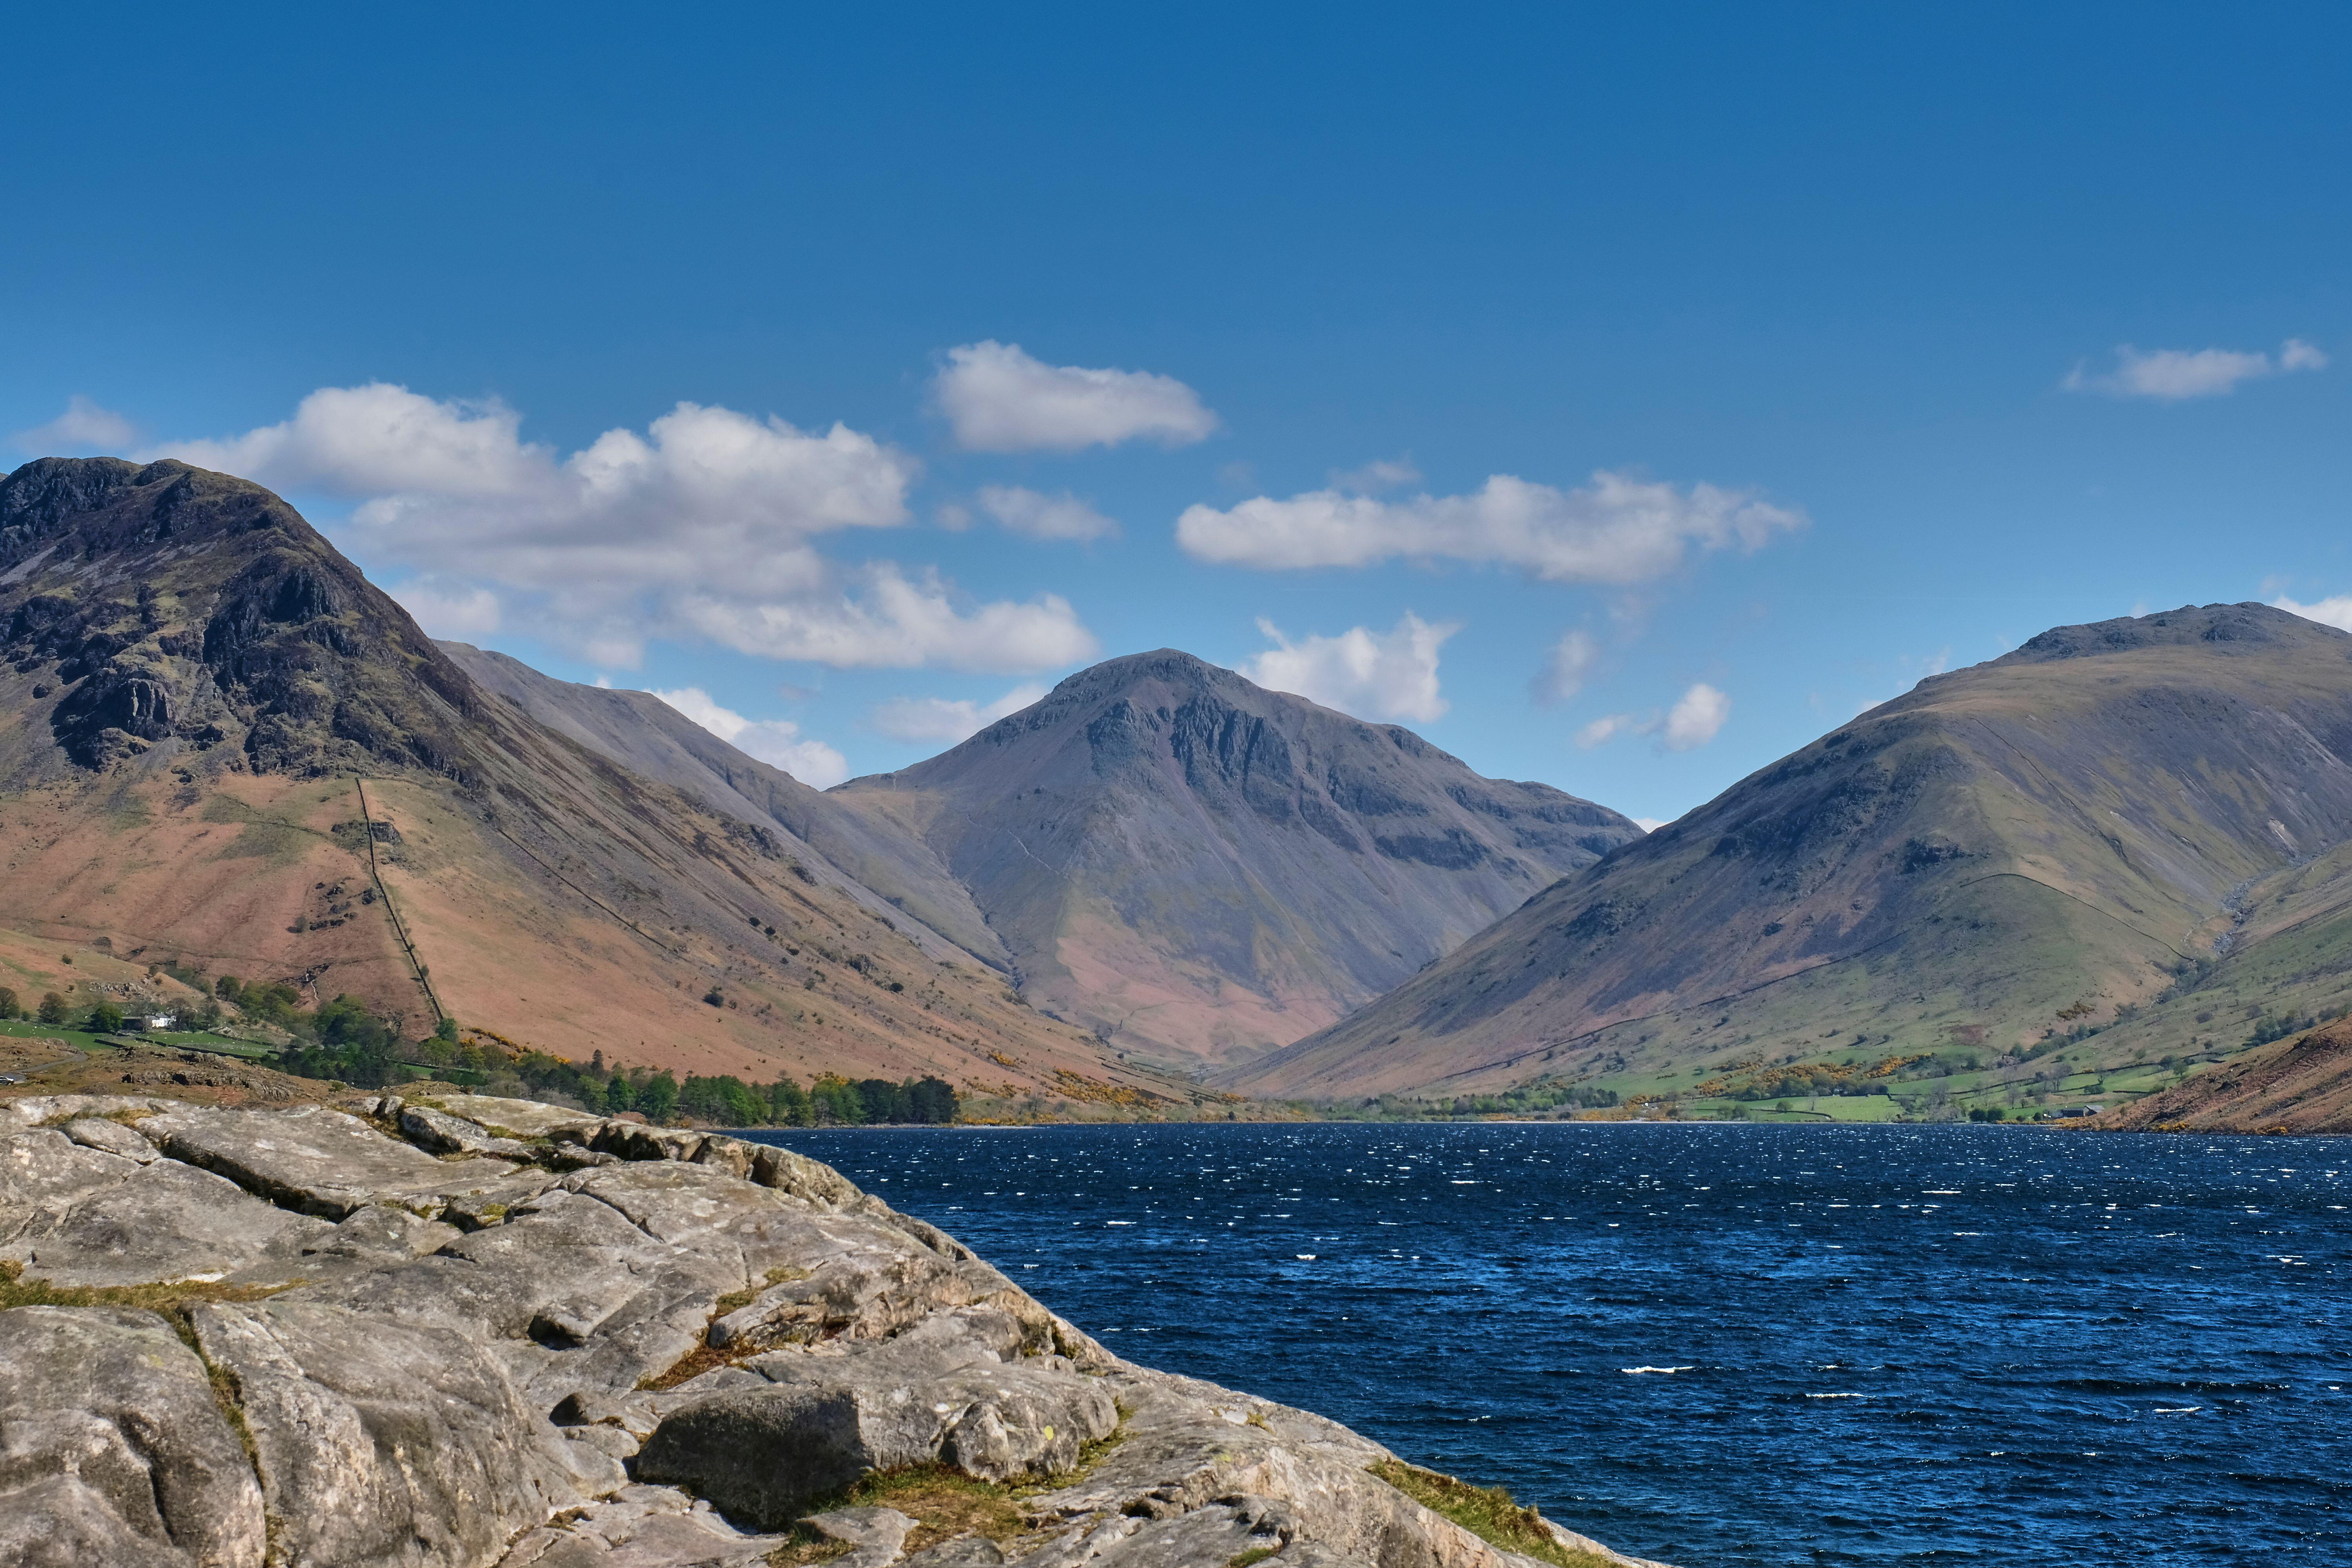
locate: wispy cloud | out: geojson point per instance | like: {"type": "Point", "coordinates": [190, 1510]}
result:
{"type": "Point", "coordinates": [1697, 717]}
{"type": "Point", "coordinates": [2174, 376]}
{"type": "Point", "coordinates": [776, 742]}
{"type": "Point", "coordinates": [1034, 516]}
{"type": "Point", "coordinates": [83, 429]}
{"type": "Point", "coordinates": [458, 612]}
{"type": "Point", "coordinates": [702, 526]}
{"type": "Point", "coordinates": [1380, 676]}
{"type": "Point", "coordinates": [1571, 660]}
{"type": "Point", "coordinates": [1616, 530]}
{"type": "Point", "coordinates": [945, 718]}
{"type": "Point", "coordinates": [999, 399]}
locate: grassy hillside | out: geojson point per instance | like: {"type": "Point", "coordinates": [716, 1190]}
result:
{"type": "Point", "coordinates": [2133, 828]}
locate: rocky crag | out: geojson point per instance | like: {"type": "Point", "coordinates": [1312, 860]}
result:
{"type": "Point", "coordinates": [471, 1331]}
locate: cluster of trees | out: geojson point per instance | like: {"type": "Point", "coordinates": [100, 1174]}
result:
{"type": "Point", "coordinates": [100, 1018]}
{"type": "Point", "coordinates": [828, 1101]}
{"type": "Point", "coordinates": [1526, 1100]}
{"type": "Point", "coordinates": [343, 1040]}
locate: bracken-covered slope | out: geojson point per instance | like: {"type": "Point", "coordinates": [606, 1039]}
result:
{"type": "Point", "coordinates": [2112, 814]}
{"type": "Point", "coordinates": [195, 685]}
{"type": "Point", "coordinates": [2303, 1085]}
{"type": "Point", "coordinates": [1201, 870]}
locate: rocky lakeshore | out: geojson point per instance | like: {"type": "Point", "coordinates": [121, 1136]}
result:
{"type": "Point", "coordinates": [462, 1330]}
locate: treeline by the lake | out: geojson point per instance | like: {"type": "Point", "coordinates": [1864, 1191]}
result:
{"type": "Point", "coordinates": [342, 1041]}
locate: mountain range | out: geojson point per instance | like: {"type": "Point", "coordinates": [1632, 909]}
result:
{"type": "Point", "coordinates": [1158, 870]}
{"type": "Point", "coordinates": [2126, 847]}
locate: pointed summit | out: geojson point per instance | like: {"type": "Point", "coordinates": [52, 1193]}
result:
{"type": "Point", "coordinates": [1200, 870]}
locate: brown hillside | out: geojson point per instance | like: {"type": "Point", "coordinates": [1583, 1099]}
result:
{"type": "Point", "coordinates": [2302, 1085]}
{"type": "Point", "coordinates": [196, 681]}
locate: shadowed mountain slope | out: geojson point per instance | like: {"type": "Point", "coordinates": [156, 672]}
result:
{"type": "Point", "coordinates": [195, 683]}
{"type": "Point", "coordinates": [1200, 870]}
{"type": "Point", "coordinates": [654, 741]}
{"type": "Point", "coordinates": [2112, 814]}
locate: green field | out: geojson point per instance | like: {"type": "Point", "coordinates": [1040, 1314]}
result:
{"type": "Point", "coordinates": [83, 1040]}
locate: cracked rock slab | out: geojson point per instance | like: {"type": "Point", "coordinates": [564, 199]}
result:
{"type": "Point", "coordinates": [165, 1222]}
{"type": "Point", "coordinates": [384, 1443]}
{"type": "Point", "coordinates": [445, 1134]}
{"type": "Point", "coordinates": [642, 1527]}
{"type": "Point", "coordinates": [112, 1449]}
{"type": "Point", "coordinates": [315, 1159]}
{"type": "Point", "coordinates": [933, 1394]}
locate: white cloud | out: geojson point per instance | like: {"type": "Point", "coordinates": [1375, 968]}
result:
{"type": "Point", "coordinates": [2331, 612]}
{"type": "Point", "coordinates": [940, 718]}
{"type": "Point", "coordinates": [1035, 516]}
{"type": "Point", "coordinates": [2173, 375]}
{"type": "Point", "coordinates": [1373, 675]}
{"type": "Point", "coordinates": [1602, 730]}
{"type": "Point", "coordinates": [776, 742]}
{"type": "Point", "coordinates": [999, 399]}
{"type": "Point", "coordinates": [897, 623]}
{"type": "Point", "coordinates": [703, 525]}
{"type": "Point", "coordinates": [1383, 474]}
{"type": "Point", "coordinates": [1695, 718]}
{"type": "Point", "coordinates": [84, 428]}
{"type": "Point", "coordinates": [459, 613]}
{"type": "Point", "coordinates": [2296, 355]}
{"type": "Point", "coordinates": [1651, 824]}
{"type": "Point", "coordinates": [1616, 530]}
{"type": "Point", "coordinates": [1563, 674]}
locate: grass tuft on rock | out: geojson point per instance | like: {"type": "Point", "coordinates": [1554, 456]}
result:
{"type": "Point", "coordinates": [1487, 1512]}
{"type": "Point", "coordinates": [169, 1301]}
{"type": "Point", "coordinates": [945, 1503]}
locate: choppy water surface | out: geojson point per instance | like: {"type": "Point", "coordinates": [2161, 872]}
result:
{"type": "Point", "coordinates": [1730, 1345]}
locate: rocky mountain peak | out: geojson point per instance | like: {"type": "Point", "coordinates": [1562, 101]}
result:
{"type": "Point", "coordinates": [165, 604]}
{"type": "Point", "coordinates": [2215, 627]}
{"type": "Point", "coordinates": [1177, 857]}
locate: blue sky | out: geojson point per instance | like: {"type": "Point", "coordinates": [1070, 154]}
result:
{"type": "Point", "coordinates": [1902, 335]}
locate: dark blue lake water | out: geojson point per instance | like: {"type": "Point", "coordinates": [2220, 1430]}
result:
{"type": "Point", "coordinates": [1727, 1345]}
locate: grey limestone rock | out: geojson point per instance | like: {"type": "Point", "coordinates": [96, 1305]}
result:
{"type": "Point", "coordinates": [382, 1232]}
{"type": "Point", "coordinates": [314, 1159]}
{"type": "Point", "coordinates": [953, 1390]}
{"type": "Point", "coordinates": [875, 1534]}
{"type": "Point", "coordinates": [520, 1118]}
{"type": "Point", "coordinates": [43, 1171]}
{"type": "Point", "coordinates": [475, 1360]}
{"type": "Point", "coordinates": [164, 1222]}
{"type": "Point", "coordinates": [961, 1551]}
{"type": "Point", "coordinates": [112, 1449]}
{"type": "Point", "coordinates": [383, 1442]}
{"type": "Point", "coordinates": [111, 1137]}
{"type": "Point", "coordinates": [47, 1110]}
{"type": "Point", "coordinates": [446, 1134]}
{"type": "Point", "coordinates": [642, 1527]}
